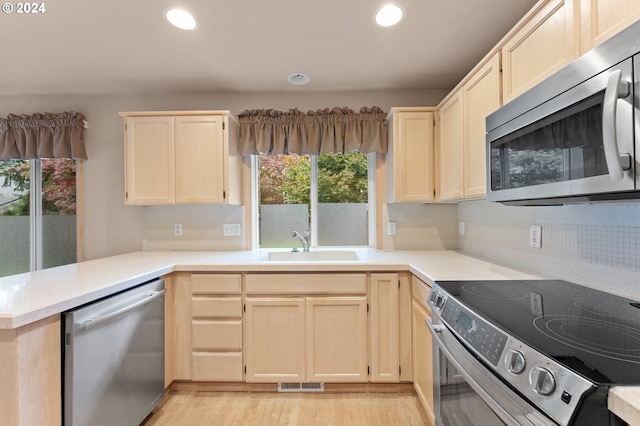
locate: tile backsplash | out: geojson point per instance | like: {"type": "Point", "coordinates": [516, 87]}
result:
{"type": "Point", "coordinates": [202, 227]}
{"type": "Point", "coordinates": [421, 226]}
{"type": "Point", "coordinates": [592, 244]}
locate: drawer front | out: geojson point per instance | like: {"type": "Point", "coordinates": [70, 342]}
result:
{"type": "Point", "coordinates": [216, 307]}
{"type": "Point", "coordinates": [216, 283]}
{"type": "Point", "coordinates": [217, 367]}
{"type": "Point", "coordinates": [420, 291]}
{"type": "Point", "coordinates": [217, 335]}
{"type": "Point", "coordinates": [305, 283]}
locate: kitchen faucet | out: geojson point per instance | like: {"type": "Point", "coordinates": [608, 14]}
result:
{"type": "Point", "coordinates": [304, 239]}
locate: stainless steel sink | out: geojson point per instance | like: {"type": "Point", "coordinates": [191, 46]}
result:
{"type": "Point", "coordinates": [311, 256]}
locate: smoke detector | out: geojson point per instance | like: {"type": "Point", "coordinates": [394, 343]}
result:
{"type": "Point", "coordinates": [298, 78]}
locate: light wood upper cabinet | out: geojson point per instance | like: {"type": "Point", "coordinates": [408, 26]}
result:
{"type": "Point", "coordinates": [600, 19]}
{"type": "Point", "coordinates": [449, 149]}
{"type": "Point", "coordinates": [181, 157]}
{"type": "Point", "coordinates": [481, 95]}
{"type": "Point", "coordinates": [199, 159]}
{"type": "Point", "coordinates": [410, 158]}
{"type": "Point", "coordinates": [545, 43]}
{"type": "Point", "coordinates": [149, 160]}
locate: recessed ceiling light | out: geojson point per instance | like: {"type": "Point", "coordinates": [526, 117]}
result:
{"type": "Point", "coordinates": [389, 15]}
{"type": "Point", "coordinates": [180, 18]}
{"type": "Point", "coordinates": [298, 78]}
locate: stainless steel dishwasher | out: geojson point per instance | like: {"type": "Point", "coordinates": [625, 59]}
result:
{"type": "Point", "coordinates": [114, 358]}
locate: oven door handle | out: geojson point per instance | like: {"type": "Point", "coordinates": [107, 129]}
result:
{"type": "Point", "coordinates": [512, 409]}
{"type": "Point", "coordinates": [616, 162]}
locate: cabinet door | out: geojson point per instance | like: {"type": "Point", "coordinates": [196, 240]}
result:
{"type": "Point", "coordinates": [423, 359]}
{"type": "Point", "coordinates": [200, 162]}
{"type": "Point", "coordinates": [385, 338]}
{"type": "Point", "coordinates": [603, 18]}
{"type": "Point", "coordinates": [481, 98]}
{"type": "Point", "coordinates": [544, 44]}
{"type": "Point", "coordinates": [449, 149]}
{"type": "Point", "coordinates": [149, 160]}
{"type": "Point", "coordinates": [337, 339]}
{"type": "Point", "coordinates": [274, 344]}
{"type": "Point", "coordinates": [412, 178]}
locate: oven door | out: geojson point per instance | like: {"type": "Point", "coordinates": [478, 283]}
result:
{"type": "Point", "coordinates": [466, 392]}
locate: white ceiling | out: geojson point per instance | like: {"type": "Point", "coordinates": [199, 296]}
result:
{"type": "Point", "coordinates": [126, 46]}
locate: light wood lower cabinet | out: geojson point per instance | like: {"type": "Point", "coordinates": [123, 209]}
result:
{"type": "Point", "coordinates": [306, 339]}
{"type": "Point", "coordinates": [422, 354]}
{"type": "Point", "coordinates": [385, 328]}
{"type": "Point", "coordinates": [216, 327]}
{"type": "Point", "coordinates": [274, 339]}
{"type": "Point", "coordinates": [306, 328]}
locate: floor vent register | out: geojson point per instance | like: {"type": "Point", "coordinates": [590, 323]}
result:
{"type": "Point", "coordinates": [301, 387]}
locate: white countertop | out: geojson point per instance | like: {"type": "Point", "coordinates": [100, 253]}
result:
{"type": "Point", "coordinates": [29, 297]}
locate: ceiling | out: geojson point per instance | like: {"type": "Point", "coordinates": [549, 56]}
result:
{"type": "Point", "coordinates": [124, 46]}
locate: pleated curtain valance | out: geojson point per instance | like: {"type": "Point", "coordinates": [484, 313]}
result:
{"type": "Point", "coordinates": [336, 130]}
{"type": "Point", "coordinates": [42, 135]}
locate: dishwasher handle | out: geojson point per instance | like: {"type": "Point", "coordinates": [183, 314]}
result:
{"type": "Point", "coordinates": [93, 322]}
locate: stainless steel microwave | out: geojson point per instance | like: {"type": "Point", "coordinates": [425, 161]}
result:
{"type": "Point", "coordinates": [573, 137]}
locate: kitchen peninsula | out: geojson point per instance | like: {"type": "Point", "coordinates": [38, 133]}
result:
{"type": "Point", "coordinates": [31, 303]}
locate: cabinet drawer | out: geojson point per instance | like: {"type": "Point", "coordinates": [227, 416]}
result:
{"type": "Point", "coordinates": [305, 283]}
{"type": "Point", "coordinates": [420, 291]}
{"type": "Point", "coordinates": [216, 284]}
{"type": "Point", "coordinates": [217, 367]}
{"type": "Point", "coordinates": [217, 335]}
{"type": "Point", "coordinates": [216, 307]}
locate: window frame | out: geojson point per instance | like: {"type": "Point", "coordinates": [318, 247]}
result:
{"type": "Point", "coordinates": [371, 201]}
{"type": "Point", "coordinates": [36, 231]}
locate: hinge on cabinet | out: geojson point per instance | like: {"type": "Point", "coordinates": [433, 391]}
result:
{"type": "Point", "coordinates": [399, 370]}
{"type": "Point", "coordinates": [223, 125]}
{"type": "Point", "coordinates": [224, 195]}
{"type": "Point", "coordinates": [367, 307]}
{"type": "Point", "coordinates": [126, 194]}
{"type": "Point", "coordinates": [398, 284]}
{"type": "Point", "coordinates": [244, 309]}
{"type": "Point", "coordinates": [368, 371]}
{"type": "Point", "coordinates": [245, 369]}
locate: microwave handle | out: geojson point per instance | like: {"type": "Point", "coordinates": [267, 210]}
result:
{"type": "Point", "coordinates": [616, 88]}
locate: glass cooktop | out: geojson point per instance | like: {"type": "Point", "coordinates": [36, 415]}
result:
{"type": "Point", "coordinates": [593, 333]}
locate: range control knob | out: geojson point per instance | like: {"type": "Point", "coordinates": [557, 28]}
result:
{"type": "Point", "coordinates": [542, 381]}
{"type": "Point", "coordinates": [516, 362]}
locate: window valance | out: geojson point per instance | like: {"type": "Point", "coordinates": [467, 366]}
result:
{"type": "Point", "coordinates": [42, 135]}
{"type": "Point", "coordinates": [316, 132]}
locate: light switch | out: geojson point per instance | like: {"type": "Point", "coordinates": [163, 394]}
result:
{"type": "Point", "coordinates": [391, 228]}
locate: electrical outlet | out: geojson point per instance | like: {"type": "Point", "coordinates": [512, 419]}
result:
{"type": "Point", "coordinates": [391, 228]}
{"type": "Point", "coordinates": [461, 228]}
{"type": "Point", "coordinates": [231, 230]}
{"type": "Point", "coordinates": [177, 230]}
{"type": "Point", "coordinates": [535, 236]}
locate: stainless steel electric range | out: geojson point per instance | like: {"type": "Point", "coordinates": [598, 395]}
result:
{"type": "Point", "coordinates": [530, 352]}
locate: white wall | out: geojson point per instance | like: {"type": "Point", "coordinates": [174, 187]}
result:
{"type": "Point", "coordinates": [110, 227]}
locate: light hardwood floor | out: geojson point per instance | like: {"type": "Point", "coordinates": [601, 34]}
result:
{"type": "Point", "coordinates": [195, 408]}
